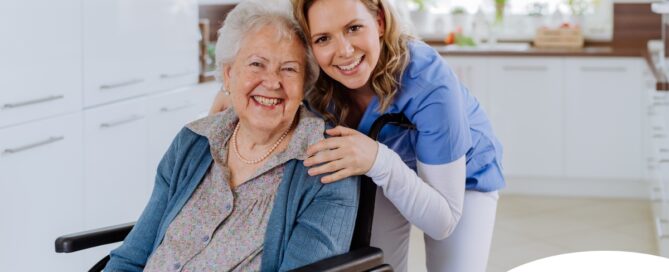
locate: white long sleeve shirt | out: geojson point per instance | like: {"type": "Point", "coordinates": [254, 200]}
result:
{"type": "Point", "coordinates": [431, 199]}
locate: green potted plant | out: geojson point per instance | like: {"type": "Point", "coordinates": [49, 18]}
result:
{"type": "Point", "coordinates": [421, 4]}
{"type": "Point", "coordinates": [500, 5]}
{"type": "Point", "coordinates": [460, 18]}
{"type": "Point", "coordinates": [420, 15]}
{"type": "Point", "coordinates": [578, 8]}
{"type": "Point", "coordinates": [536, 13]}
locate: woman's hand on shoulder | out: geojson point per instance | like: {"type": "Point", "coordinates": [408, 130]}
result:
{"type": "Point", "coordinates": [347, 153]}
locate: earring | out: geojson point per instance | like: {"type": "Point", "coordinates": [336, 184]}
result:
{"type": "Point", "coordinates": [225, 92]}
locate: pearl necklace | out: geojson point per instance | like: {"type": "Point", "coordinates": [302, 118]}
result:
{"type": "Point", "coordinates": [235, 149]}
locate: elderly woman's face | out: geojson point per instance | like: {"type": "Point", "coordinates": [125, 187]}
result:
{"type": "Point", "coordinates": [266, 79]}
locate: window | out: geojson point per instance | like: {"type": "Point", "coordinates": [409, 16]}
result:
{"type": "Point", "coordinates": [519, 23]}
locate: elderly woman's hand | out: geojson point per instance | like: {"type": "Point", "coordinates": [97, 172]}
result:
{"type": "Point", "coordinates": [347, 153]}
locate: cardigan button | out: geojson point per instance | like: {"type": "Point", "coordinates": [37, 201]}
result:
{"type": "Point", "coordinates": [176, 266]}
{"type": "Point", "coordinates": [205, 238]}
{"type": "Point", "coordinates": [228, 207]}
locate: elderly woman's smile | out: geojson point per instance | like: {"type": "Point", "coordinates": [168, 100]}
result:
{"type": "Point", "coordinates": [267, 101]}
{"type": "Point", "coordinates": [266, 80]}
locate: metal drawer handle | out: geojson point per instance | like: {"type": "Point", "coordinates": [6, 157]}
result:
{"type": "Point", "coordinates": [120, 122]}
{"type": "Point", "coordinates": [121, 84]}
{"type": "Point", "coordinates": [524, 68]}
{"type": "Point", "coordinates": [658, 128]}
{"type": "Point", "coordinates": [31, 146]}
{"type": "Point", "coordinates": [175, 75]}
{"type": "Point", "coordinates": [658, 225]}
{"type": "Point", "coordinates": [659, 136]}
{"type": "Point", "coordinates": [34, 101]}
{"type": "Point", "coordinates": [168, 109]}
{"type": "Point", "coordinates": [602, 69]}
{"type": "Point", "coordinates": [659, 97]}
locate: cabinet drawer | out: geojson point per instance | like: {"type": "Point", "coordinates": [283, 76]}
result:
{"type": "Point", "coordinates": [661, 228]}
{"type": "Point", "coordinates": [42, 193]}
{"type": "Point", "coordinates": [205, 93]}
{"type": "Point", "coordinates": [603, 109]}
{"type": "Point", "coordinates": [526, 110]}
{"type": "Point", "coordinates": [175, 27]}
{"type": "Point", "coordinates": [116, 50]}
{"type": "Point", "coordinates": [115, 142]}
{"type": "Point", "coordinates": [168, 113]}
{"type": "Point", "coordinates": [41, 70]}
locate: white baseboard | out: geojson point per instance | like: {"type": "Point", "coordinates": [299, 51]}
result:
{"type": "Point", "coordinates": [577, 187]}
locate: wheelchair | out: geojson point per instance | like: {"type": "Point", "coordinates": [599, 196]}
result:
{"type": "Point", "coordinates": [361, 257]}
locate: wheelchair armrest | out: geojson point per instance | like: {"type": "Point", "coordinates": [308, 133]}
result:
{"type": "Point", "coordinates": [361, 259]}
{"type": "Point", "coordinates": [92, 238]}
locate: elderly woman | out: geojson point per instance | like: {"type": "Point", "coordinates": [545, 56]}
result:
{"type": "Point", "coordinates": [255, 207]}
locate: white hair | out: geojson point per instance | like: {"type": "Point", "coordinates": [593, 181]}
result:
{"type": "Point", "coordinates": [250, 15]}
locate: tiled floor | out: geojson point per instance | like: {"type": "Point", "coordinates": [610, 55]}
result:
{"type": "Point", "coordinates": [533, 227]}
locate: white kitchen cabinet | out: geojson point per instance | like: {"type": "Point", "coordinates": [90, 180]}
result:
{"type": "Point", "coordinates": [42, 190]}
{"type": "Point", "coordinates": [526, 109]}
{"type": "Point", "coordinates": [603, 109]}
{"type": "Point", "coordinates": [167, 114]}
{"type": "Point", "coordinates": [175, 37]}
{"type": "Point", "coordinates": [115, 170]}
{"type": "Point", "coordinates": [117, 47]}
{"type": "Point", "coordinates": [205, 93]}
{"type": "Point", "coordinates": [40, 59]}
{"type": "Point", "coordinates": [472, 72]}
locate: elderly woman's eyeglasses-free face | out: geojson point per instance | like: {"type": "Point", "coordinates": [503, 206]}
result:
{"type": "Point", "coordinates": [266, 80]}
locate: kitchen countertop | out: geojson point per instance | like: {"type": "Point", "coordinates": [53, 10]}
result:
{"type": "Point", "coordinates": [649, 54]}
{"type": "Point", "coordinates": [523, 49]}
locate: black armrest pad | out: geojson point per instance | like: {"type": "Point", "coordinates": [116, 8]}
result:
{"type": "Point", "coordinates": [358, 260]}
{"type": "Point", "coordinates": [92, 238]}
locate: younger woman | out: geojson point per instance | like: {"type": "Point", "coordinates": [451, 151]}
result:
{"type": "Point", "coordinates": [443, 176]}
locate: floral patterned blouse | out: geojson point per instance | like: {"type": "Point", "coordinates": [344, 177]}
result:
{"type": "Point", "coordinates": [222, 228]}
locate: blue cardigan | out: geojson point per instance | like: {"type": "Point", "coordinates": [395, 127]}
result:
{"type": "Point", "coordinates": [310, 221]}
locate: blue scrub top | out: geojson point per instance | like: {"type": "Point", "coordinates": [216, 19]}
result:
{"type": "Point", "coordinates": [449, 121]}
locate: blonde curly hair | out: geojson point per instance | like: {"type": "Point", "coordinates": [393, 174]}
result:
{"type": "Point", "coordinates": [328, 97]}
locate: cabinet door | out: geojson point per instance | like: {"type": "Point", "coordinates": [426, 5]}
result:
{"type": "Point", "coordinates": [117, 188]}
{"type": "Point", "coordinates": [168, 113]}
{"type": "Point", "coordinates": [41, 185]}
{"type": "Point", "coordinates": [40, 59]}
{"type": "Point", "coordinates": [473, 73]}
{"type": "Point", "coordinates": [527, 114]}
{"type": "Point", "coordinates": [116, 49]}
{"type": "Point", "coordinates": [205, 93]}
{"type": "Point", "coordinates": [603, 133]}
{"type": "Point", "coordinates": [175, 37]}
